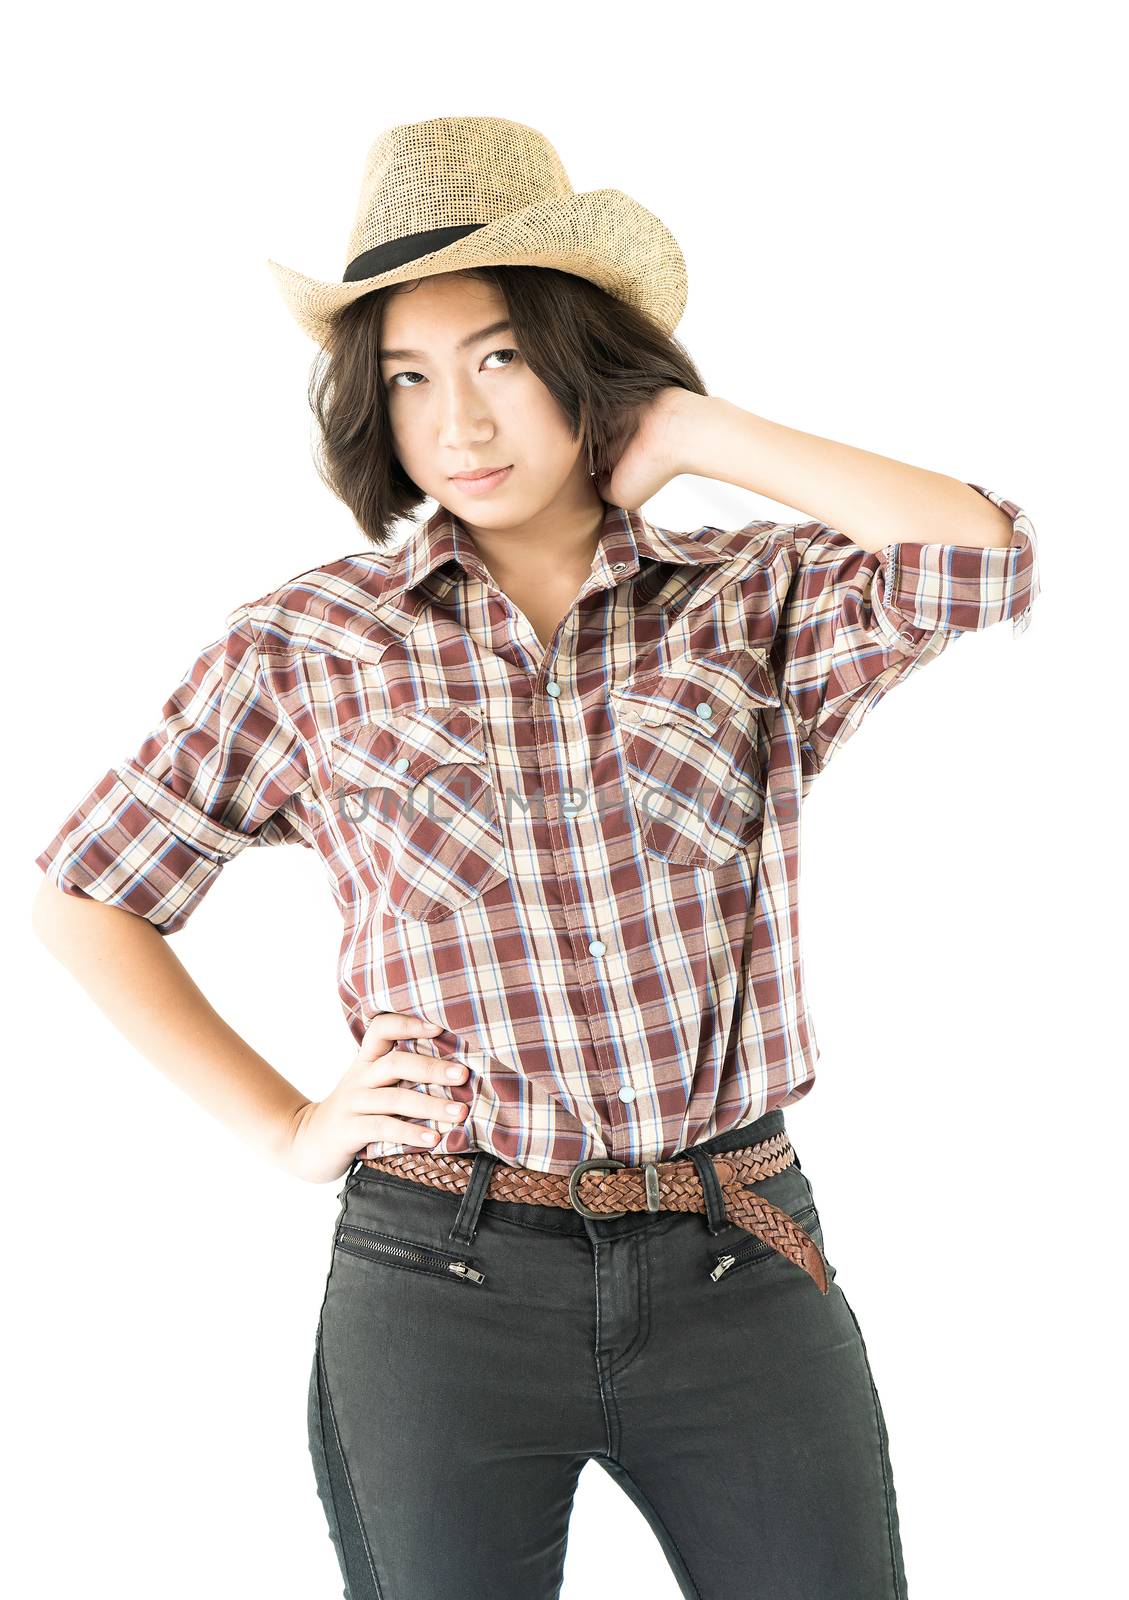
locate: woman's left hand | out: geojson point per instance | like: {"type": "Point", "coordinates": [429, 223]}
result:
{"type": "Point", "coordinates": [654, 452]}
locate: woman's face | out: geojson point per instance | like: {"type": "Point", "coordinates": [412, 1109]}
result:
{"type": "Point", "coordinates": [460, 398]}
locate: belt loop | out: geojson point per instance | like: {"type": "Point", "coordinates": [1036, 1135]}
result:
{"type": "Point", "coordinates": [716, 1217]}
{"type": "Point", "coordinates": [466, 1221]}
{"type": "Point", "coordinates": [354, 1167]}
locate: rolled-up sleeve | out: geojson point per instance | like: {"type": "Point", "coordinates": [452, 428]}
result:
{"type": "Point", "coordinates": [218, 773]}
{"type": "Point", "coordinates": [857, 622]}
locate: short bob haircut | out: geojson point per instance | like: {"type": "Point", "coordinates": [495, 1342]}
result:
{"type": "Point", "coordinates": [601, 359]}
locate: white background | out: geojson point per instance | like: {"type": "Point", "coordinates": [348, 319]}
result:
{"type": "Point", "coordinates": [899, 229]}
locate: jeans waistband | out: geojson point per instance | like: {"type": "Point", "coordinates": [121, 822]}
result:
{"type": "Point", "coordinates": [565, 1220]}
{"type": "Point", "coordinates": [737, 1138]}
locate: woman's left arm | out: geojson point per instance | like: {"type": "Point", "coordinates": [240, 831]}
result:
{"type": "Point", "coordinates": [872, 499]}
{"type": "Point", "coordinates": [895, 562]}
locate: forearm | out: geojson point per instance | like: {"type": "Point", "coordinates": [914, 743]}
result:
{"type": "Point", "coordinates": [872, 499]}
{"type": "Point", "coordinates": [133, 976]}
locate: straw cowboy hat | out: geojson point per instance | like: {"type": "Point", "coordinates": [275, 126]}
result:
{"type": "Point", "coordinates": [460, 192]}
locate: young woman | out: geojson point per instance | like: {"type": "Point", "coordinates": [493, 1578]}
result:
{"type": "Point", "coordinates": [554, 757]}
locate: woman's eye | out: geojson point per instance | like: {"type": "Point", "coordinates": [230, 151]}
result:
{"type": "Point", "coordinates": [392, 380]}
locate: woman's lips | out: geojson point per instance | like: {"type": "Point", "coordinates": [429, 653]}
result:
{"type": "Point", "coordinates": [483, 485]}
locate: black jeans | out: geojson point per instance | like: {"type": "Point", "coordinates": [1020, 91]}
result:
{"type": "Point", "coordinates": [461, 1380]}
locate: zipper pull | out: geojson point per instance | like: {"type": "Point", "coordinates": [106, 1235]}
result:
{"type": "Point", "coordinates": [723, 1265]}
{"type": "Point", "coordinates": [467, 1272]}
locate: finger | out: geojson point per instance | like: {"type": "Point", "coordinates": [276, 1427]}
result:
{"type": "Point", "coordinates": [389, 1025]}
{"type": "Point", "coordinates": [392, 1129]}
{"type": "Point", "coordinates": [398, 1064]}
{"type": "Point", "coordinates": [412, 1120]}
{"type": "Point", "coordinates": [427, 1107]}
{"type": "Point", "coordinates": [410, 1103]}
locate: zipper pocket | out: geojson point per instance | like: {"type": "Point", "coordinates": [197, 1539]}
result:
{"type": "Point", "coordinates": [756, 1249]}
{"type": "Point", "coordinates": [405, 1253]}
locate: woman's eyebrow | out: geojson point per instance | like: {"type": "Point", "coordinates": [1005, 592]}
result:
{"type": "Point", "coordinates": [463, 344]}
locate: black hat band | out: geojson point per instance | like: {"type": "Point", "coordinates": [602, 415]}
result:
{"type": "Point", "coordinates": [386, 257]}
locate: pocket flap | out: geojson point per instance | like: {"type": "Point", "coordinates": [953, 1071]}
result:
{"type": "Point", "coordinates": [405, 746]}
{"type": "Point", "coordinates": [705, 689]}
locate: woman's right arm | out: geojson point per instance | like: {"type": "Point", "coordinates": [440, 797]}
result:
{"type": "Point", "coordinates": [129, 970]}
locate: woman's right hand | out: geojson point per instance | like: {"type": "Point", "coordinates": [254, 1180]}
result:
{"type": "Point", "coordinates": [370, 1103]}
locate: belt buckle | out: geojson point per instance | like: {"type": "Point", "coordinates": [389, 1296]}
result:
{"type": "Point", "coordinates": [608, 1163]}
{"type": "Point", "coordinates": [581, 1167]}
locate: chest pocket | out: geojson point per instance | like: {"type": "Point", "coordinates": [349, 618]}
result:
{"type": "Point", "coordinates": [692, 748]}
{"type": "Point", "coordinates": [415, 799]}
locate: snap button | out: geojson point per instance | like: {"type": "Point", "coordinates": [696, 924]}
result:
{"type": "Point", "coordinates": [627, 1094]}
{"type": "Point", "coordinates": [402, 764]}
{"type": "Point", "coordinates": [552, 688]}
{"type": "Point", "coordinates": [597, 946]}
{"type": "Point", "coordinates": [618, 566]}
{"type": "Point", "coordinates": [704, 710]}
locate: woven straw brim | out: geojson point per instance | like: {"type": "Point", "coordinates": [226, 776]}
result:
{"type": "Point", "coordinates": [602, 235]}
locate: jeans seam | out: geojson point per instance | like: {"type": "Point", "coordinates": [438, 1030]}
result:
{"type": "Point", "coordinates": [596, 1350]}
{"type": "Point", "coordinates": [642, 1312]}
{"type": "Point", "coordinates": [322, 1465]}
{"type": "Point", "coordinates": [898, 1591]}
{"type": "Point", "coordinates": [349, 1482]}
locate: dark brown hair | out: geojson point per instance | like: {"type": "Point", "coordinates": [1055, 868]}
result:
{"type": "Point", "coordinates": [601, 359]}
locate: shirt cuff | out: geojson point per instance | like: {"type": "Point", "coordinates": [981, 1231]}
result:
{"type": "Point", "coordinates": [954, 587]}
{"type": "Point", "coordinates": [131, 843]}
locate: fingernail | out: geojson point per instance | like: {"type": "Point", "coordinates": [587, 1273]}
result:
{"type": "Point", "coordinates": [454, 1074]}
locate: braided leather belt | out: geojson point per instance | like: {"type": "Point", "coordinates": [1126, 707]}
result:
{"type": "Point", "coordinates": [612, 1189]}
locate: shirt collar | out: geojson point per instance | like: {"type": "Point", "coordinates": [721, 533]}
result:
{"type": "Point", "coordinates": [626, 539]}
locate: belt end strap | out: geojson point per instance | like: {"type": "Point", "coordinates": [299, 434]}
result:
{"type": "Point", "coordinates": [751, 1211]}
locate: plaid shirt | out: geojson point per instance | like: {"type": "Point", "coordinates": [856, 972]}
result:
{"type": "Point", "coordinates": [582, 862]}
